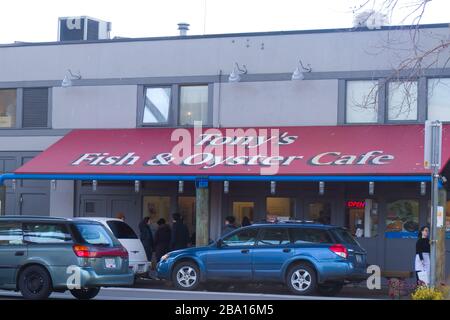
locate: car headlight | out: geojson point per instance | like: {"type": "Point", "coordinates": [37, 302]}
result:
{"type": "Point", "coordinates": [165, 257]}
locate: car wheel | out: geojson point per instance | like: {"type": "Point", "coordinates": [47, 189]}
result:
{"type": "Point", "coordinates": [186, 276]}
{"type": "Point", "coordinates": [301, 279]}
{"type": "Point", "coordinates": [35, 283]}
{"type": "Point", "coordinates": [330, 290]}
{"type": "Point", "coordinates": [85, 294]}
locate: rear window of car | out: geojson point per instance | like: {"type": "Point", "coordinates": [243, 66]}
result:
{"type": "Point", "coordinates": [121, 230]}
{"type": "Point", "coordinates": [345, 236]}
{"type": "Point", "coordinates": [95, 234]}
{"type": "Point", "coordinates": [37, 232]}
{"type": "Point", "coordinates": [310, 235]}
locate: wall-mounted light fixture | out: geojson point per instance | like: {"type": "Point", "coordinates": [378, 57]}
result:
{"type": "Point", "coordinates": [67, 81]}
{"type": "Point", "coordinates": [321, 188]}
{"type": "Point", "coordinates": [273, 187]}
{"type": "Point", "coordinates": [180, 186]}
{"type": "Point", "coordinates": [137, 186]}
{"type": "Point", "coordinates": [423, 188]}
{"type": "Point", "coordinates": [235, 75]}
{"type": "Point", "coordinates": [226, 186]}
{"type": "Point", "coordinates": [298, 73]}
{"type": "Point", "coordinates": [94, 185]}
{"type": "Point", "coordinates": [13, 184]}
{"type": "Point", "coordinates": [371, 188]}
{"type": "Point", "coordinates": [53, 184]}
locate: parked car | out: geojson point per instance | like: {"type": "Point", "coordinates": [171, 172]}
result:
{"type": "Point", "coordinates": [307, 257]}
{"type": "Point", "coordinates": [41, 255]}
{"type": "Point", "coordinates": [138, 261]}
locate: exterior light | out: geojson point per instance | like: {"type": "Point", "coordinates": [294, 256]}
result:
{"type": "Point", "coordinates": [371, 188]}
{"type": "Point", "coordinates": [180, 186]}
{"type": "Point", "coordinates": [13, 184]}
{"type": "Point", "coordinates": [423, 188]}
{"type": "Point", "coordinates": [298, 73]}
{"type": "Point", "coordinates": [53, 184]}
{"type": "Point", "coordinates": [67, 81]}
{"type": "Point", "coordinates": [273, 187]}
{"type": "Point", "coordinates": [321, 187]}
{"type": "Point", "coordinates": [137, 185]}
{"type": "Point", "coordinates": [235, 75]}
{"type": "Point", "coordinates": [226, 186]}
{"type": "Point", "coordinates": [94, 185]}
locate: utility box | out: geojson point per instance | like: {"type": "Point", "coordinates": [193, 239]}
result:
{"type": "Point", "coordinates": [82, 28]}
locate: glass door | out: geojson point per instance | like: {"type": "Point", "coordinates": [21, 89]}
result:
{"type": "Point", "coordinates": [242, 210]}
{"type": "Point", "coordinates": [319, 211]}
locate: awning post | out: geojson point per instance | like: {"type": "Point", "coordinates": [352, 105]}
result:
{"type": "Point", "coordinates": [201, 212]}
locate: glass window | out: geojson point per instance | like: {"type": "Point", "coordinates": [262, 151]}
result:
{"type": "Point", "coordinates": [186, 207]}
{"type": "Point", "coordinates": [344, 236]}
{"type": "Point", "coordinates": [8, 106]}
{"type": "Point", "coordinates": [94, 234]}
{"type": "Point", "coordinates": [362, 218]}
{"type": "Point", "coordinates": [242, 209]}
{"type": "Point", "coordinates": [241, 238]}
{"type": "Point", "coordinates": [10, 233]}
{"type": "Point", "coordinates": [193, 104]}
{"type": "Point", "coordinates": [402, 219]}
{"type": "Point", "coordinates": [274, 237]}
{"type": "Point", "coordinates": [46, 233]}
{"type": "Point", "coordinates": [402, 100]}
{"type": "Point", "coordinates": [279, 208]}
{"type": "Point", "coordinates": [439, 99]}
{"type": "Point", "coordinates": [157, 105]}
{"type": "Point", "coordinates": [319, 212]}
{"type": "Point", "coordinates": [121, 230]}
{"type": "Point", "coordinates": [361, 102]}
{"type": "Point", "coordinates": [309, 235]}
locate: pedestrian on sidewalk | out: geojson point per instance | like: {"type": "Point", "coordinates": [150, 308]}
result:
{"type": "Point", "coordinates": [246, 222]}
{"type": "Point", "coordinates": [422, 260]}
{"type": "Point", "coordinates": [146, 236]}
{"type": "Point", "coordinates": [162, 239]}
{"type": "Point", "coordinates": [180, 233]}
{"type": "Point", "coordinates": [229, 225]}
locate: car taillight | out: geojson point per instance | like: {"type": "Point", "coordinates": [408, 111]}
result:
{"type": "Point", "coordinates": [96, 252]}
{"type": "Point", "coordinates": [340, 250]}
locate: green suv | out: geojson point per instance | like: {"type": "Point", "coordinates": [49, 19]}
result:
{"type": "Point", "coordinates": [39, 255]}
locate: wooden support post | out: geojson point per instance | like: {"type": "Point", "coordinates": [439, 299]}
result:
{"type": "Point", "coordinates": [202, 215]}
{"type": "Point", "coordinates": [440, 245]}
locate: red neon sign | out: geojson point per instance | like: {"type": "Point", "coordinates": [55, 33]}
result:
{"type": "Point", "coordinates": [356, 204]}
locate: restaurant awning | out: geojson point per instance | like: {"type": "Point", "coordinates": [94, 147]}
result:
{"type": "Point", "coordinates": [343, 152]}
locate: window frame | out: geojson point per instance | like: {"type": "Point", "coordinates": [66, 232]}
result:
{"type": "Point", "coordinates": [426, 81]}
{"type": "Point", "coordinates": [174, 108]}
{"type": "Point", "coordinates": [386, 97]}
{"type": "Point", "coordinates": [380, 95]}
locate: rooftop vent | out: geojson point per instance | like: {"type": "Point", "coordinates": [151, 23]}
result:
{"type": "Point", "coordinates": [82, 28]}
{"type": "Point", "coordinates": [183, 27]}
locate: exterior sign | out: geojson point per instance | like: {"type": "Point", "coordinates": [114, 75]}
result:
{"type": "Point", "coordinates": [337, 150]}
{"type": "Point", "coordinates": [440, 217]}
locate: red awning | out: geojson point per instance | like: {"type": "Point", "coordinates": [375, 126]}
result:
{"type": "Point", "coordinates": [318, 150]}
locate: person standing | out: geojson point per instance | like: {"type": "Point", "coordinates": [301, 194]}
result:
{"type": "Point", "coordinates": [180, 233]}
{"type": "Point", "coordinates": [229, 225]}
{"type": "Point", "coordinates": [246, 222]}
{"type": "Point", "coordinates": [162, 239]}
{"type": "Point", "coordinates": [120, 216]}
{"type": "Point", "coordinates": [422, 260]}
{"type": "Point", "coordinates": [146, 236]}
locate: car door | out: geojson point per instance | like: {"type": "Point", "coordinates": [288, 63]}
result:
{"type": "Point", "coordinates": [13, 251]}
{"type": "Point", "coordinates": [232, 259]}
{"type": "Point", "coordinates": [272, 250]}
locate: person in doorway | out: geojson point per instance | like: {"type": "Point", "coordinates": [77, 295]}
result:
{"type": "Point", "coordinates": [146, 236]}
{"type": "Point", "coordinates": [120, 216]}
{"type": "Point", "coordinates": [229, 225]}
{"type": "Point", "coordinates": [180, 233]}
{"type": "Point", "coordinates": [246, 222]}
{"type": "Point", "coordinates": [422, 261]}
{"type": "Point", "coordinates": [359, 233]}
{"type": "Point", "coordinates": [162, 239]}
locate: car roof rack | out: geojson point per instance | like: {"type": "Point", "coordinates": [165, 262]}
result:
{"type": "Point", "coordinates": [285, 221]}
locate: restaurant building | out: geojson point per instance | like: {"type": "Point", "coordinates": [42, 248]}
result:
{"type": "Point", "coordinates": [98, 126]}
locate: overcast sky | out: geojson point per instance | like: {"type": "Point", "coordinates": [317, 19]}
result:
{"type": "Point", "coordinates": [33, 20]}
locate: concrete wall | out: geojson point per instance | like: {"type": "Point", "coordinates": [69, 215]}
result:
{"type": "Point", "coordinates": [27, 143]}
{"type": "Point", "coordinates": [94, 107]}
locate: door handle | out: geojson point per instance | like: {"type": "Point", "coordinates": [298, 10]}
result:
{"type": "Point", "coordinates": [19, 253]}
{"type": "Point", "coordinates": [245, 251]}
{"type": "Point", "coordinates": [286, 250]}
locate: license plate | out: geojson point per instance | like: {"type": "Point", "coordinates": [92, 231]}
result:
{"type": "Point", "coordinates": [110, 263]}
{"type": "Point", "coordinates": [359, 258]}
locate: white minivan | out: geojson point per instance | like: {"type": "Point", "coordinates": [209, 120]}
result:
{"type": "Point", "coordinates": [128, 238]}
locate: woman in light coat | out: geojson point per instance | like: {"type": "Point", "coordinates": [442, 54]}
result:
{"type": "Point", "coordinates": [422, 261]}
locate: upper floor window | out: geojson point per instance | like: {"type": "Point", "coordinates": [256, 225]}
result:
{"type": "Point", "coordinates": [362, 101]}
{"type": "Point", "coordinates": [439, 99]}
{"type": "Point", "coordinates": [176, 105]}
{"type": "Point", "coordinates": [402, 101]}
{"type": "Point", "coordinates": [8, 108]}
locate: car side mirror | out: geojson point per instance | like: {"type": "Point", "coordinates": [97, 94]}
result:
{"type": "Point", "coordinates": [219, 243]}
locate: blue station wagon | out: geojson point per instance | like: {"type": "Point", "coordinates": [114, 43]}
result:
{"type": "Point", "coordinates": [309, 258]}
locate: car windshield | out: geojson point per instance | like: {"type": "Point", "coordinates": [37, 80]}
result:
{"type": "Point", "coordinates": [345, 236]}
{"type": "Point", "coordinates": [94, 234]}
{"type": "Point", "coordinates": [121, 230]}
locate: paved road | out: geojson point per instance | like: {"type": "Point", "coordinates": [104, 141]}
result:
{"type": "Point", "coordinates": [162, 294]}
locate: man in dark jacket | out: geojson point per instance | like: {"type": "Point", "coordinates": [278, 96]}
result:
{"type": "Point", "coordinates": [180, 233]}
{"type": "Point", "coordinates": [146, 237]}
{"type": "Point", "coordinates": [162, 239]}
{"type": "Point", "coordinates": [229, 225]}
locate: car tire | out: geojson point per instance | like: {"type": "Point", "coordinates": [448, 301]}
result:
{"type": "Point", "coordinates": [85, 294]}
{"type": "Point", "coordinates": [330, 290]}
{"type": "Point", "coordinates": [35, 283]}
{"type": "Point", "coordinates": [301, 279]}
{"type": "Point", "coordinates": [186, 276]}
